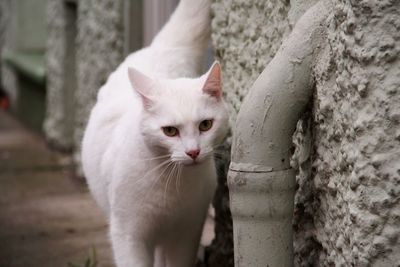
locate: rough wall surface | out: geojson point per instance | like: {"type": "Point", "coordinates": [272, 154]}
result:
{"type": "Point", "coordinates": [347, 203]}
{"type": "Point", "coordinates": [356, 158]}
{"type": "Point", "coordinates": [55, 125]}
{"type": "Point", "coordinates": [246, 35]}
{"type": "Point", "coordinates": [100, 50]}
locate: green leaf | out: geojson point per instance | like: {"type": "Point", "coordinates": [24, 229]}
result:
{"type": "Point", "coordinates": [91, 260]}
{"type": "Point", "coordinates": [87, 263]}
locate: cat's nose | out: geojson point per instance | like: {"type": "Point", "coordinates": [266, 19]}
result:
{"type": "Point", "coordinates": [193, 153]}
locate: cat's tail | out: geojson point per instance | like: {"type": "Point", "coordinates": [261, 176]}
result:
{"type": "Point", "coordinates": [188, 26]}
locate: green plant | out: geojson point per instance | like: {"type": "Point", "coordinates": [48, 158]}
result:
{"type": "Point", "coordinates": [91, 260]}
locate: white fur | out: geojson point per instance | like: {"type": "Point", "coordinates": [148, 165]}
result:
{"type": "Point", "coordinates": [155, 209]}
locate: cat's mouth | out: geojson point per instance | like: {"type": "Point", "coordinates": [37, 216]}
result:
{"type": "Point", "coordinates": [194, 162]}
{"type": "Point", "coordinates": [190, 162]}
{"type": "Point", "coordinates": [187, 161]}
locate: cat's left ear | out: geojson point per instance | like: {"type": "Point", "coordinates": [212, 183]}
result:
{"type": "Point", "coordinates": [212, 85]}
{"type": "Point", "coordinates": [142, 84]}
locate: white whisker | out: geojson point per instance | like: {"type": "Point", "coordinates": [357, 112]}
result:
{"type": "Point", "coordinates": [156, 181]}
{"type": "Point", "coordinates": [178, 178]}
{"type": "Point", "coordinates": [150, 172]}
{"type": "Point", "coordinates": [154, 158]}
{"type": "Point", "coordinates": [167, 182]}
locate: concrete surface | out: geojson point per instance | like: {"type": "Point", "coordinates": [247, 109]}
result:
{"type": "Point", "coordinates": [355, 157]}
{"type": "Point", "coordinates": [47, 218]}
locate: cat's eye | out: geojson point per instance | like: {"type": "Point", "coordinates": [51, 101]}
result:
{"type": "Point", "coordinates": [170, 131]}
{"type": "Point", "coordinates": [205, 125]}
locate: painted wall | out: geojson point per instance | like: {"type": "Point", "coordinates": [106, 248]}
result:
{"type": "Point", "coordinates": [8, 77]}
{"type": "Point", "coordinates": [22, 30]}
{"type": "Point", "coordinates": [4, 18]}
{"type": "Point", "coordinates": [347, 202]}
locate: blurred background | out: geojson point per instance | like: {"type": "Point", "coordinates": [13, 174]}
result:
{"type": "Point", "coordinates": [55, 54]}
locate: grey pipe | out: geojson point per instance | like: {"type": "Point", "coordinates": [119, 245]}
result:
{"type": "Point", "coordinates": [260, 179]}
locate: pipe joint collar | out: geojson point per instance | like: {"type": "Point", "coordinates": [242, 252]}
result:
{"type": "Point", "coordinates": [254, 168]}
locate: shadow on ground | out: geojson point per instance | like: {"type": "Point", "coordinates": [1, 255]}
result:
{"type": "Point", "coordinates": [47, 218]}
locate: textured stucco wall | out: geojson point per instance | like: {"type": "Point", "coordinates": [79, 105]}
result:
{"type": "Point", "coordinates": [57, 125]}
{"type": "Point", "coordinates": [246, 35]}
{"type": "Point", "coordinates": [347, 146]}
{"type": "Point", "coordinates": [99, 49]}
{"type": "Point", "coordinates": [356, 155]}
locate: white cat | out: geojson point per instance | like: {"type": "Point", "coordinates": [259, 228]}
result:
{"type": "Point", "coordinates": [147, 152]}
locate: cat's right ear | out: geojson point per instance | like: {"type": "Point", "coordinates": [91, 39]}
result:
{"type": "Point", "coordinates": [142, 84]}
{"type": "Point", "coordinates": [212, 85]}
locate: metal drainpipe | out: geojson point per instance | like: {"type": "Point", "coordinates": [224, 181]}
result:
{"type": "Point", "coordinates": [260, 179]}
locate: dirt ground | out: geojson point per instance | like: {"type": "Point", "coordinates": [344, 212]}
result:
{"type": "Point", "coordinates": [47, 217]}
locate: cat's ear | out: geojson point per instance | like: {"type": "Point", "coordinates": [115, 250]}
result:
{"type": "Point", "coordinates": [142, 84]}
{"type": "Point", "coordinates": [212, 85]}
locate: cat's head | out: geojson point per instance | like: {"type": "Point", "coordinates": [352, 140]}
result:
{"type": "Point", "coordinates": [185, 118]}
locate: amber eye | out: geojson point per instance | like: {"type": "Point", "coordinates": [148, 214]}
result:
{"type": "Point", "coordinates": [205, 125]}
{"type": "Point", "coordinates": [170, 131]}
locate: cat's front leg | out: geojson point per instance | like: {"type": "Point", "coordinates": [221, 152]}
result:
{"type": "Point", "coordinates": [181, 251]}
{"type": "Point", "coordinates": [130, 250]}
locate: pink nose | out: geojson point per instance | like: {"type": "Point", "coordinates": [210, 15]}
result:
{"type": "Point", "coordinates": [193, 153]}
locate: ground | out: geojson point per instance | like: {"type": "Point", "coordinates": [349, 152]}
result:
{"type": "Point", "coordinates": [47, 216]}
